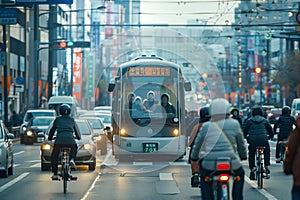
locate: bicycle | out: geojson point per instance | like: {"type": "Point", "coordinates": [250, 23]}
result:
{"type": "Point", "coordinates": [283, 148]}
{"type": "Point", "coordinates": [260, 166]}
{"type": "Point", "coordinates": [220, 178]}
{"type": "Point", "coordinates": [65, 171]}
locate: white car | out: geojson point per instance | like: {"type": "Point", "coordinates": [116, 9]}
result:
{"type": "Point", "coordinates": [6, 151]}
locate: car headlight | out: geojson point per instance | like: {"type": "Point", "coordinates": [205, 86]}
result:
{"type": "Point", "coordinates": [29, 133]}
{"type": "Point", "coordinates": [46, 147]}
{"type": "Point", "coordinates": [86, 147]}
{"type": "Point", "coordinates": [123, 132]}
{"type": "Point", "coordinates": [175, 132]}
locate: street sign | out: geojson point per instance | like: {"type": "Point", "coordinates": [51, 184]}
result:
{"type": "Point", "coordinates": [8, 16]}
{"type": "Point", "coordinates": [19, 88]}
{"type": "Point", "coordinates": [3, 58]}
{"type": "Point", "coordinates": [28, 2]}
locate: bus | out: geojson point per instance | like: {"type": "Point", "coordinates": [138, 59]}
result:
{"type": "Point", "coordinates": [148, 133]}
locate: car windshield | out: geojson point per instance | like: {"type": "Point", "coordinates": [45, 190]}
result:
{"type": "Point", "coordinates": [276, 112]}
{"type": "Point", "coordinates": [298, 106]}
{"type": "Point", "coordinates": [95, 123]}
{"type": "Point", "coordinates": [36, 114]}
{"type": "Point", "coordinates": [41, 121]}
{"type": "Point", "coordinates": [83, 128]}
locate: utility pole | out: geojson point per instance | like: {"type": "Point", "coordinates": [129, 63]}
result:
{"type": "Point", "coordinates": [35, 56]}
{"type": "Point", "coordinates": [5, 93]}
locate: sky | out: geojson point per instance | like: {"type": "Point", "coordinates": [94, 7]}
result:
{"type": "Point", "coordinates": [179, 12]}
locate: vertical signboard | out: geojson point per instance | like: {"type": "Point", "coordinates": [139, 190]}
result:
{"type": "Point", "coordinates": [91, 76]}
{"type": "Point", "coordinates": [77, 75]}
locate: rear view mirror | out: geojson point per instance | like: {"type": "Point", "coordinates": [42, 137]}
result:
{"type": "Point", "coordinates": [111, 87]}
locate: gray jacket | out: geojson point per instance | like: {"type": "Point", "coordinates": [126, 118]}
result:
{"type": "Point", "coordinates": [210, 144]}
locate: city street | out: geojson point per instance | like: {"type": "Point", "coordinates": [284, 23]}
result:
{"type": "Point", "coordinates": [113, 180]}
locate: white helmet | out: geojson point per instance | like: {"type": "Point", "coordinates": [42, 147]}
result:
{"type": "Point", "coordinates": [219, 106]}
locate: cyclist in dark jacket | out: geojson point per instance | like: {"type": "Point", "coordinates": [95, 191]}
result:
{"type": "Point", "coordinates": [236, 115]}
{"type": "Point", "coordinates": [258, 131]}
{"type": "Point", "coordinates": [65, 126]}
{"type": "Point", "coordinates": [285, 124]}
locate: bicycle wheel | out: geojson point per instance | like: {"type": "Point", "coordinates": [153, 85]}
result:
{"type": "Point", "coordinates": [261, 176]}
{"type": "Point", "coordinates": [65, 180]}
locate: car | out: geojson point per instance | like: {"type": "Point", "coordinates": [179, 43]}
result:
{"type": "Point", "coordinates": [295, 110]}
{"type": "Point", "coordinates": [274, 115]}
{"type": "Point", "coordinates": [6, 151]}
{"type": "Point", "coordinates": [36, 128]}
{"type": "Point", "coordinates": [100, 137]}
{"type": "Point", "coordinates": [106, 119]}
{"type": "Point", "coordinates": [103, 109]}
{"type": "Point", "coordinates": [33, 113]}
{"type": "Point", "coordinates": [86, 153]}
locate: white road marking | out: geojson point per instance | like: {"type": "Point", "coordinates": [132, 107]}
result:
{"type": "Point", "coordinates": [34, 161]}
{"type": "Point", "coordinates": [36, 165]}
{"type": "Point", "coordinates": [262, 191]}
{"type": "Point", "coordinates": [16, 165]}
{"type": "Point", "coordinates": [15, 180]}
{"type": "Point", "coordinates": [142, 163]}
{"type": "Point", "coordinates": [17, 153]}
{"type": "Point", "coordinates": [165, 176]}
{"type": "Point", "coordinates": [91, 188]}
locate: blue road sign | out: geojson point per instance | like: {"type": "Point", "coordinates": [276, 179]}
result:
{"type": "Point", "coordinates": [8, 16]}
{"type": "Point", "coordinates": [27, 2]}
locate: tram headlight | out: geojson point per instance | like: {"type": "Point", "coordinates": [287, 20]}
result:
{"type": "Point", "coordinates": [123, 132]}
{"type": "Point", "coordinates": [175, 132]}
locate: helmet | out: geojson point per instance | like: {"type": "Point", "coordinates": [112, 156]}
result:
{"type": "Point", "coordinates": [219, 106]}
{"type": "Point", "coordinates": [64, 109]}
{"type": "Point", "coordinates": [286, 110]}
{"type": "Point", "coordinates": [204, 114]}
{"type": "Point", "coordinates": [257, 111]}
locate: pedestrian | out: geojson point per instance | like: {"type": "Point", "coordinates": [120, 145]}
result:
{"type": "Point", "coordinates": [292, 159]}
{"type": "Point", "coordinates": [236, 115]}
{"type": "Point", "coordinates": [195, 166]}
{"type": "Point", "coordinates": [14, 119]}
{"type": "Point", "coordinates": [258, 131]}
{"type": "Point", "coordinates": [220, 136]}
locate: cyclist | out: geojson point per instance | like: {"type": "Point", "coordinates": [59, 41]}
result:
{"type": "Point", "coordinates": [258, 131]}
{"type": "Point", "coordinates": [285, 124]}
{"type": "Point", "coordinates": [204, 117]}
{"type": "Point", "coordinates": [220, 136]}
{"type": "Point", "coordinates": [64, 125]}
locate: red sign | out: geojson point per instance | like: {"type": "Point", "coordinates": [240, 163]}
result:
{"type": "Point", "coordinates": [77, 75]}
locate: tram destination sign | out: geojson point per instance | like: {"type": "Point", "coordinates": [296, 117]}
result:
{"type": "Point", "coordinates": [8, 16]}
{"type": "Point", "coordinates": [149, 71]}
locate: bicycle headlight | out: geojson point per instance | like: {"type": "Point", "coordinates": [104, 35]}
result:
{"type": "Point", "coordinates": [24, 128]}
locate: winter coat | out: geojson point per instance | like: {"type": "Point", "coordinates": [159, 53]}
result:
{"type": "Point", "coordinates": [285, 125]}
{"type": "Point", "coordinates": [292, 158]}
{"type": "Point", "coordinates": [210, 144]}
{"type": "Point", "coordinates": [65, 127]}
{"type": "Point", "coordinates": [258, 130]}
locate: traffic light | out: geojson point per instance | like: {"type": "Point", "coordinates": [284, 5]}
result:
{"type": "Point", "coordinates": [257, 70]}
{"type": "Point", "coordinates": [70, 44]}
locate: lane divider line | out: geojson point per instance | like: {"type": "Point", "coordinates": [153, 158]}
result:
{"type": "Point", "coordinates": [261, 191]}
{"type": "Point", "coordinates": [15, 180]}
{"type": "Point", "coordinates": [17, 153]}
{"type": "Point", "coordinates": [165, 176]}
{"type": "Point", "coordinates": [91, 188]}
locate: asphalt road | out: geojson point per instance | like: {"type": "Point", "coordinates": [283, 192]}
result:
{"type": "Point", "coordinates": [132, 180]}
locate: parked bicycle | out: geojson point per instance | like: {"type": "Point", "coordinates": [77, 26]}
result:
{"type": "Point", "coordinates": [65, 171]}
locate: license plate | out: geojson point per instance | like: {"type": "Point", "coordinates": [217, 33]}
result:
{"type": "Point", "coordinates": [150, 147]}
{"type": "Point", "coordinates": [40, 139]}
